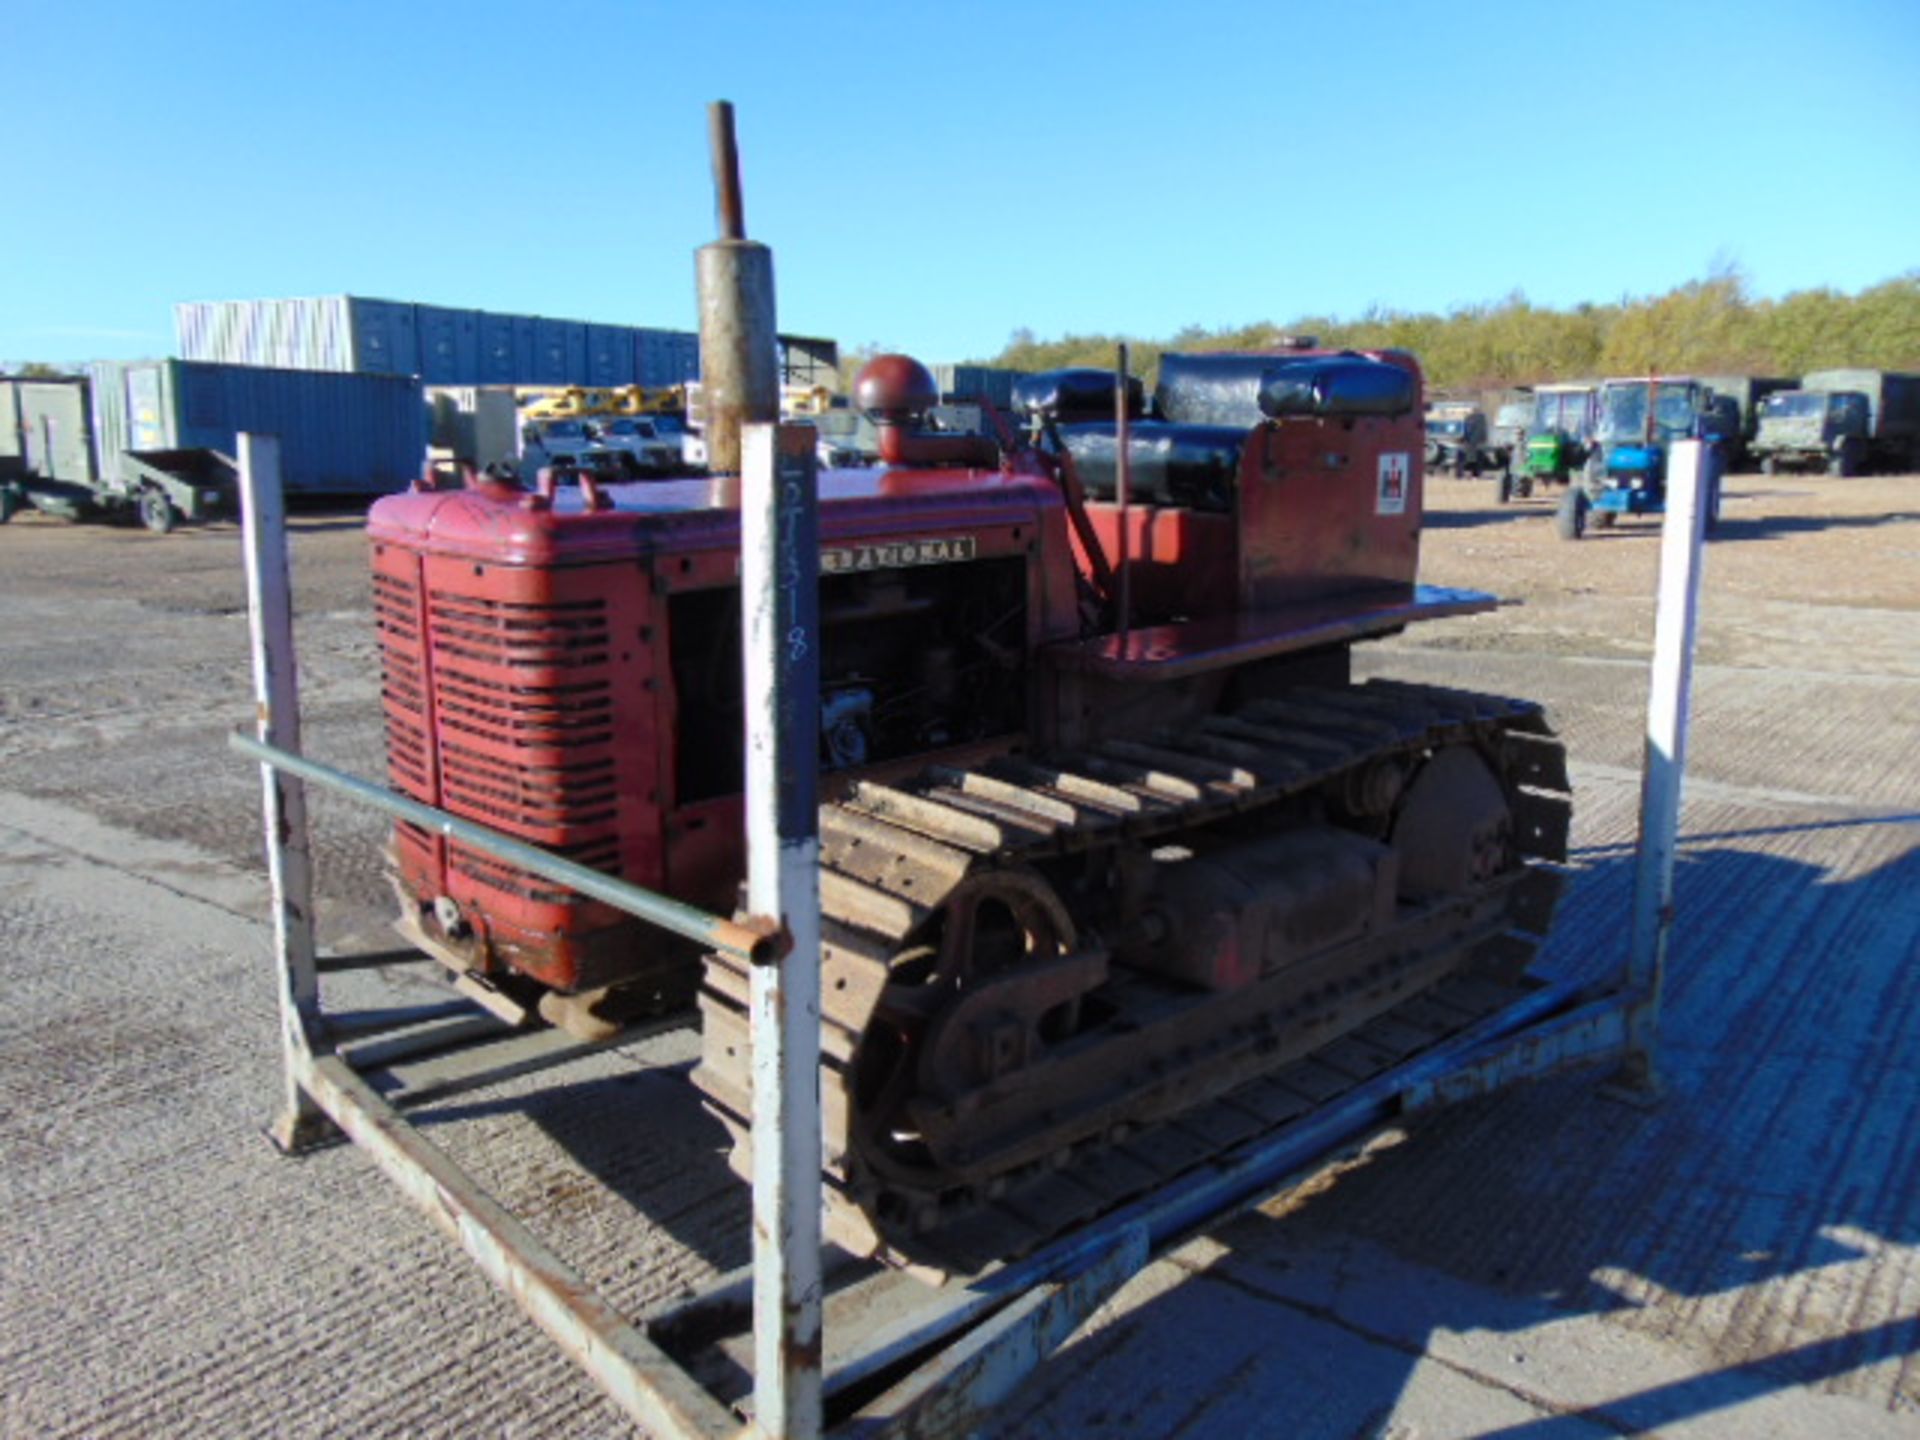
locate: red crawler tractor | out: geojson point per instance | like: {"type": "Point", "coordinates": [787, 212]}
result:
{"type": "Point", "coordinates": [1110, 834]}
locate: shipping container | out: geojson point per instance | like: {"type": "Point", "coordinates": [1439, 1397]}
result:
{"type": "Point", "coordinates": [342, 333]}
{"type": "Point", "coordinates": [451, 346]}
{"type": "Point", "coordinates": [499, 354]}
{"type": "Point", "coordinates": [339, 434]}
{"type": "Point", "coordinates": [666, 357]}
{"type": "Point", "coordinates": [382, 335]}
{"type": "Point", "coordinates": [606, 366]}
{"type": "Point", "coordinates": [559, 353]}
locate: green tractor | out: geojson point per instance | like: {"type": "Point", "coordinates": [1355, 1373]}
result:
{"type": "Point", "coordinates": [1559, 436]}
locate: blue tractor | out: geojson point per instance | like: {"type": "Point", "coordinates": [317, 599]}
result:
{"type": "Point", "coordinates": [1626, 469]}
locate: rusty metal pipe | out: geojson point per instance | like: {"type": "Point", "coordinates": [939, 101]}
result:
{"type": "Point", "coordinates": [730, 206]}
{"type": "Point", "coordinates": [755, 944]}
{"type": "Point", "coordinates": [1124, 483]}
{"type": "Point", "coordinates": [739, 359]}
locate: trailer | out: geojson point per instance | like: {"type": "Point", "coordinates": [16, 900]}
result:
{"type": "Point", "coordinates": [50, 461]}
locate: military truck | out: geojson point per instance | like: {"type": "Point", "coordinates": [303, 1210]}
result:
{"type": "Point", "coordinates": [1746, 392]}
{"type": "Point", "coordinates": [1886, 438]}
{"type": "Point", "coordinates": [1812, 430]}
{"type": "Point", "coordinates": [1456, 439]}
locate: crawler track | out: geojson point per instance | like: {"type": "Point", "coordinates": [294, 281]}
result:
{"type": "Point", "coordinates": [1101, 1078]}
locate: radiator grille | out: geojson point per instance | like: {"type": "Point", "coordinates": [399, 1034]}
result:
{"type": "Point", "coordinates": [523, 708]}
{"type": "Point", "coordinates": [514, 633]}
{"type": "Point", "coordinates": [521, 798]}
{"type": "Point", "coordinates": [602, 854]}
{"type": "Point", "coordinates": [403, 688]}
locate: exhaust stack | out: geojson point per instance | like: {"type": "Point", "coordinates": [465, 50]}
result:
{"type": "Point", "coordinates": [739, 362]}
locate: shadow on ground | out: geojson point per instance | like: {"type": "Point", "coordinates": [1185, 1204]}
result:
{"type": "Point", "coordinates": [1740, 1217]}
{"type": "Point", "coordinates": [1732, 1218]}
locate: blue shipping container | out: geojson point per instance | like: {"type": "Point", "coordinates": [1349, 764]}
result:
{"type": "Point", "coordinates": [526, 346]}
{"type": "Point", "coordinates": [383, 336]}
{"type": "Point", "coordinates": [349, 334]}
{"type": "Point", "coordinates": [609, 355]}
{"type": "Point", "coordinates": [498, 365]}
{"type": "Point", "coordinates": [339, 434]}
{"type": "Point", "coordinates": [549, 353]}
{"type": "Point", "coordinates": [449, 345]}
{"type": "Point", "coordinates": [666, 357]}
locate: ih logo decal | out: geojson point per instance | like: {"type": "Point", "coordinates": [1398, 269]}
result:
{"type": "Point", "coordinates": [1393, 484]}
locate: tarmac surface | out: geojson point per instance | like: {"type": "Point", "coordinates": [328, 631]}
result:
{"type": "Point", "coordinates": [1742, 1260]}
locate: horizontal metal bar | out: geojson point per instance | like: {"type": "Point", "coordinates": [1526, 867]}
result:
{"type": "Point", "coordinates": [346, 1025]}
{"type": "Point", "coordinates": [435, 1038]}
{"type": "Point", "coordinates": [367, 960]}
{"type": "Point", "coordinates": [453, 1071]}
{"type": "Point", "coordinates": [636, 1374]}
{"type": "Point", "coordinates": [1588, 1033]}
{"type": "Point", "coordinates": [755, 945]}
{"type": "Point", "coordinates": [955, 1389]}
{"type": "Point", "coordinates": [1213, 1192]}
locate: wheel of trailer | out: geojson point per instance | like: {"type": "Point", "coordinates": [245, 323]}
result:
{"type": "Point", "coordinates": [1571, 518]}
{"type": "Point", "coordinates": [9, 502]}
{"type": "Point", "coordinates": [157, 512]}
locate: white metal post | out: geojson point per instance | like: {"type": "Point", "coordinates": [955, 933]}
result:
{"type": "Point", "coordinates": [277, 722]}
{"type": "Point", "coordinates": [779, 588]}
{"type": "Point", "coordinates": [1692, 486]}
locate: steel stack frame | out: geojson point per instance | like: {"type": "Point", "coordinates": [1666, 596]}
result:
{"type": "Point", "coordinates": [912, 1357]}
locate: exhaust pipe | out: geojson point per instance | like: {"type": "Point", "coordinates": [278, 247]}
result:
{"type": "Point", "coordinates": [739, 359]}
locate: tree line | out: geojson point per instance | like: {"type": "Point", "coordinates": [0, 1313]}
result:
{"type": "Point", "coordinates": [1705, 327]}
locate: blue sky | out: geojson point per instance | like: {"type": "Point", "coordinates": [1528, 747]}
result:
{"type": "Point", "coordinates": [932, 177]}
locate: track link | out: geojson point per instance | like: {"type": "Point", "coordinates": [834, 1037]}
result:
{"type": "Point", "coordinates": [893, 856]}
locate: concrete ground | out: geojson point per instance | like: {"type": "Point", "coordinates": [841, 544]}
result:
{"type": "Point", "coordinates": [1742, 1261]}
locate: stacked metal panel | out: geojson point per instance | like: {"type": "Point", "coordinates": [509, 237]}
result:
{"type": "Point", "coordinates": [342, 434]}
{"type": "Point", "coordinates": [343, 333]}
{"type": "Point", "coordinates": [666, 357]}
{"type": "Point", "coordinates": [440, 344]}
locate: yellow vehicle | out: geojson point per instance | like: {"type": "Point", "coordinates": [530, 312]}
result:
{"type": "Point", "coordinates": [639, 400]}
{"type": "Point", "coordinates": [805, 400]}
{"type": "Point", "coordinates": [551, 402]}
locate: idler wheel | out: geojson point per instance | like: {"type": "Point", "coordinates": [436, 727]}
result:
{"type": "Point", "coordinates": [1454, 831]}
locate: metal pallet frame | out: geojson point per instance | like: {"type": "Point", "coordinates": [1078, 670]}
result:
{"type": "Point", "coordinates": [905, 1356]}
